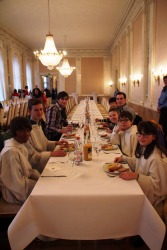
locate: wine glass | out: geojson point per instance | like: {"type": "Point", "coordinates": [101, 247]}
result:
{"type": "Point", "coordinates": [72, 157]}
{"type": "Point", "coordinates": [97, 149]}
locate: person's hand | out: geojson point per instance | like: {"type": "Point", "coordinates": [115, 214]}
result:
{"type": "Point", "coordinates": [117, 129]}
{"type": "Point", "coordinates": [66, 130]}
{"type": "Point", "coordinates": [58, 153]}
{"type": "Point", "coordinates": [97, 120]}
{"type": "Point", "coordinates": [62, 143]}
{"type": "Point", "coordinates": [118, 159]}
{"type": "Point", "coordinates": [108, 130]}
{"type": "Point", "coordinates": [129, 176]}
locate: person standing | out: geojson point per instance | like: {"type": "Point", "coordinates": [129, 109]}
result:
{"type": "Point", "coordinates": [162, 109]}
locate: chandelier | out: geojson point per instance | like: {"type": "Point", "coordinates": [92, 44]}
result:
{"type": "Point", "coordinates": [49, 57]}
{"type": "Point", "coordinates": [65, 69]}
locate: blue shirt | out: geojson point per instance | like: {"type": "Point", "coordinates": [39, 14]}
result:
{"type": "Point", "coordinates": [162, 101]}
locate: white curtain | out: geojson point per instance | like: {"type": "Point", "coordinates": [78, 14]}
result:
{"type": "Point", "coordinates": [29, 76]}
{"type": "Point", "coordinates": [2, 78]}
{"type": "Point", "coordinates": [16, 72]}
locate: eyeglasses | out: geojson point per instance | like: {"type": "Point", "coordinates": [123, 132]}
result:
{"type": "Point", "coordinates": [123, 120]}
{"type": "Point", "coordinates": [144, 135]}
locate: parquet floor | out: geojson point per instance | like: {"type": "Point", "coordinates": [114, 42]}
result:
{"type": "Point", "coordinates": [123, 244]}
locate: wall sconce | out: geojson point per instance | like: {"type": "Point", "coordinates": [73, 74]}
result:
{"type": "Point", "coordinates": [123, 80]}
{"type": "Point", "coordinates": [136, 79]}
{"type": "Point", "coordinates": [110, 84]}
{"type": "Point", "coordinates": [158, 74]}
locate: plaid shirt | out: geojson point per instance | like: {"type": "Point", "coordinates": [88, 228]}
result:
{"type": "Point", "coordinates": [55, 118]}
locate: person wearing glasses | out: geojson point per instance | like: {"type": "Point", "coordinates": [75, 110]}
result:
{"type": "Point", "coordinates": [149, 165]}
{"type": "Point", "coordinates": [162, 108]}
{"type": "Point", "coordinates": [124, 134]}
{"type": "Point", "coordinates": [56, 118]}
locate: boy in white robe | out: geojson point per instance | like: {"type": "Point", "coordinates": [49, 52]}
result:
{"type": "Point", "coordinates": [124, 134]}
{"type": "Point", "coordinates": [17, 177]}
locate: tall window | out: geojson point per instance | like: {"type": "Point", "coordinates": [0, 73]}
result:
{"type": "Point", "coordinates": [16, 72]}
{"type": "Point", "coordinates": [29, 76]}
{"type": "Point", "coordinates": [2, 78]}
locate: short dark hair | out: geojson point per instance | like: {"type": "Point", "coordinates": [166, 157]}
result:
{"type": "Point", "coordinates": [62, 95]}
{"type": "Point", "coordinates": [164, 77]}
{"type": "Point", "coordinates": [18, 123]}
{"type": "Point", "coordinates": [113, 109]}
{"type": "Point", "coordinates": [121, 93]}
{"type": "Point", "coordinates": [111, 99]}
{"type": "Point", "coordinates": [126, 114]}
{"type": "Point", "coordinates": [32, 102]}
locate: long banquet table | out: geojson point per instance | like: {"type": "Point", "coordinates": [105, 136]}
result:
{"type": "Point", "coordinates": [87, 204]}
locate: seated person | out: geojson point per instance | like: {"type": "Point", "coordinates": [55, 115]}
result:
{"type": "Point", "coordinates": [113, 117]}
{"type": "Point", "coordinates": [112, 102]}
{"type": "Point", "coordinates": [56, 118]}
{"type": "Point", "coordinates": [124, 134]}
{"type": "Point", "coordinates": [122, 105]}
{"type": "Point", "coordinates": [17, 177]}
{"type": "Point", "coordinates": [148, 166]}
{"type": "Point", "coordinates": [37, 138]}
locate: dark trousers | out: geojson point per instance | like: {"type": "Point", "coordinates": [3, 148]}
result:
{"type": "Point", "coordinates": [51, 136]}
{"type": "Point", "coordinates": [163, 122]}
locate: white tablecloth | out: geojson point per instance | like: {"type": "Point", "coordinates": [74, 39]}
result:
{"type": "Point", "coordinates": [85, 205]}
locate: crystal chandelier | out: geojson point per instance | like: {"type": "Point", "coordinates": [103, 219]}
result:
{"type": "Point", "coordinates": [49, 57]}
{"type": "Point", "coordinates": [65, 69]}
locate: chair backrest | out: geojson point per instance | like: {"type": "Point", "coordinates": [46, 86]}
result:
{"type": "Point", "coordinates": [25, 109]}
{"type": "Point", "coordinates": [21, 109]}
{"type": "Point", "coordinates": [9, 116]}
{"type": "Point", "coordinates": [1, 116]}
{"type": "Point", "coordinates": [8, 209]}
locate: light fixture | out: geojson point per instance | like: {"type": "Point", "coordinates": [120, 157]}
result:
{"type": "Point", "coordinates": [136, 78]}
{"type": "Point", "coordinates": [159, 73]}
{"type": "Point", "coordinates": [65, 69]}
{"type": "Point", "coordinates": [123, 80]}
{"type": "Point", "coordinates": [49, 57]}
{"type": "Point", "coordinates": [110, 84]}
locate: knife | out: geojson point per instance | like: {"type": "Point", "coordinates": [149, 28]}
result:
{"type": "Point", "coordinates": [53, 176]}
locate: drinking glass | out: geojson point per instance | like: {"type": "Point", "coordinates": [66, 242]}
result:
{"type": "Point", "coordinates": [97, 149]}
{"type": "Point", "coordinates": [72, 157]}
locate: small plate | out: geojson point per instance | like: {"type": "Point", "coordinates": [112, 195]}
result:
{"type": "Point", "coordinates": [70, 148]}
{"type": "Point", "coordinates": [109, 168]}
{"type": "Point", "coordinates": [110, 147]}
{"type": "Point", "coordinates": [69, 136]}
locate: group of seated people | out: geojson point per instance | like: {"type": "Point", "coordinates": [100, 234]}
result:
{"type": "Point", "coordinates": [29, 144]}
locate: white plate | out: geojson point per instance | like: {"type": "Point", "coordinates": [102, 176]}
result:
{"type": "Point", "coordinates": [113, 148]}
{"type": "Point", "coordinates": [116, 172]}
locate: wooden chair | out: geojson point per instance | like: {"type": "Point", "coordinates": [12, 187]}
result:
{"type": "Point", "coordinates": [165, 211]}
{"type": "Point", "coordinates": [8, 209]}
{"type": "Point", "coordinates": [25, 109]}
{"type": "Point", "coordinates": [1, 117]}
{"type": "Point", "coordinates": [8, 118]}
{"type": "Point", "coordinates": [21, 109]}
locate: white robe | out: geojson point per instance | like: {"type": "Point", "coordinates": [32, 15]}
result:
{"type": "Point", "coordinates": [127, 140]}
{"type": "Point", "coordinates": [152, 175]}
{"type": "Point", "coordinates": [17, 177]}
{"type": "Point", "coordinates": [40, 143]}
